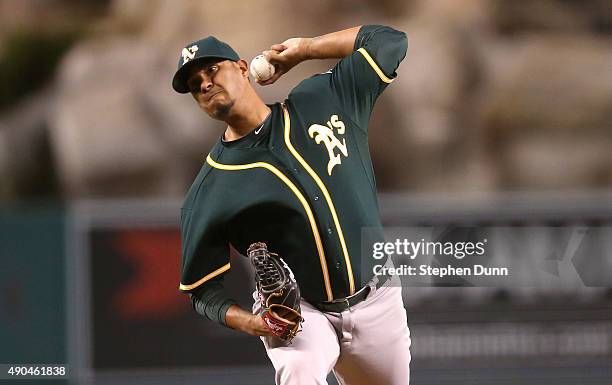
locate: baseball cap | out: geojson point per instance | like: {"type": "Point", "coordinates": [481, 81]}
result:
{"type": "Point", "coordinates": [197, 51]}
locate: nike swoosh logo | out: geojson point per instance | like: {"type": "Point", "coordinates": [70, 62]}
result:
{"type": "Point", "coordinates": [257, 130]}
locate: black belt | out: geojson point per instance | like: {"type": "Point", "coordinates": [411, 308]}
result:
{"type": "Point", "coordinates": [341, 304]}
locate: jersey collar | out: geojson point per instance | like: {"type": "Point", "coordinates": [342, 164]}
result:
{"type": "Point", "coordinates": [258, 136]}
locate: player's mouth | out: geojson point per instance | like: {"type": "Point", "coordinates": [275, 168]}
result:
{"type": "Point", "coordinates": [211, 96]}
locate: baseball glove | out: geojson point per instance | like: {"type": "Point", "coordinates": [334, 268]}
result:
{"type": "Point", "coordinates": [278, 292]}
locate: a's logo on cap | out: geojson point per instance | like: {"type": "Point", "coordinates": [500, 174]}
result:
{"type": "Point", "coordinates": [189, 53]}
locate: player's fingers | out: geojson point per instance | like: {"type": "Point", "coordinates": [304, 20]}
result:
{"type": "Point", "coordinates": [273, 56]}
{"type": "Point", "coordinates": [278, 47]}
{"type": "Point", "coordinates": [279, 72]}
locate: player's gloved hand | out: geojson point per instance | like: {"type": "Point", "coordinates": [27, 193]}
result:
{"type": "Point", "coordinates": [285, 56]}
{"type": "Point", "coordinates": [278, 292]}
{"type": "Point", "coordinates": [253, 324]}
{"type": "Point", "coordinates": [256, 326]}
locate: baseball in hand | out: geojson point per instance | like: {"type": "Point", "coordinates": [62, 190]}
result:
{"type": "Point", "coordinates": [261, 69]}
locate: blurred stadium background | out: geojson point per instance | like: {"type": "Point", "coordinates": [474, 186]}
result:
{"type": "Point", "coordinates": [501, 115]}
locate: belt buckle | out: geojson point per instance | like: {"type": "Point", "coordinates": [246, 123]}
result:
{"type": "Point", "coordinates": [354, 295]}
{"type": "Point", "coordinates": [346, 300]}
{"type": "Point", "coordinates": [341, 300]}
{"type": "Point", "coordinates": [348, 304]}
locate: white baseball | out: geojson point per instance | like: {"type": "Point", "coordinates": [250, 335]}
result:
{"type": "Point", "coordinates": [261, 69]}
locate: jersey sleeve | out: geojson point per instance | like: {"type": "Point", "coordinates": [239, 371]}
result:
{"type": "Point", "coordinates": [210, 301]}
{"type": "Point", "coordinates": [205, 253]}
{"type": "Point", "coordinates": [358, 79]}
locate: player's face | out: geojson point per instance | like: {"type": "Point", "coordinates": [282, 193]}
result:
{"type": "Point", "coordinates": [216, 85]}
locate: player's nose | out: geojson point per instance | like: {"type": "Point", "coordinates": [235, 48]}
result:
{"type": "Point", "coordinates": [206, 84]}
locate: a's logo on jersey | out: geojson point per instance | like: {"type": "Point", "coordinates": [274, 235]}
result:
{"type": "Point", "coordinates": [189, 53]}
{"type": "Point", "coordinates": [325, 135]}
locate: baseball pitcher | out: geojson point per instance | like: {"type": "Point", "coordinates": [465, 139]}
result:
{"type": "Point", "coordinates": [291, 185]}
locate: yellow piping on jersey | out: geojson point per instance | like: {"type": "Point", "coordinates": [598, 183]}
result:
{"type": "Point", "coordinates": [319, 183]}
{"type": "Point", "coordinates": [298, 194]}
{"type": "Point", "coordinates": [220, 270]}
{"type": "Point", "coordinates": [375, 66]}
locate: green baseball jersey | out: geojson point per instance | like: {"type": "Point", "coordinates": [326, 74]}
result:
{"type": "Point", "coordinates": [303, 182]}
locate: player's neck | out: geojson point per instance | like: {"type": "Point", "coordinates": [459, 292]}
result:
{"type": "Point", "coordinates": [248, 115]}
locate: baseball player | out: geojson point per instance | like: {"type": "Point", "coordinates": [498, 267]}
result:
{"type": "Point", "coordinates": [298, 176]}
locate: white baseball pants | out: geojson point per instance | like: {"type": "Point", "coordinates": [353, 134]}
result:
{"type": "Point", "coordinates": [369, 344]}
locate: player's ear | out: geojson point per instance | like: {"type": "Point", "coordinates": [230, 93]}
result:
{"type": "Point", "coordinates": [244, 68]}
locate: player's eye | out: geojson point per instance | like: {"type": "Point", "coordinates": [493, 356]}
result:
{"type": "Point", "coordinates": [213, 68]}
